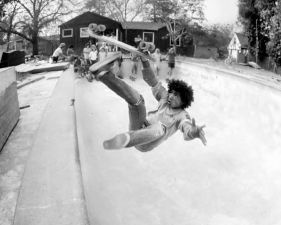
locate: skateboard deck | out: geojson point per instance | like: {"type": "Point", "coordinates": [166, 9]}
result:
{"type": "Point", "coordinates": [145, 46]}
{"type": "Point", "coordinates": [39, 68]}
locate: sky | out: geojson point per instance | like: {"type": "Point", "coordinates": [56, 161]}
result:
{"type": "Point", "coordinates": [221, 11]}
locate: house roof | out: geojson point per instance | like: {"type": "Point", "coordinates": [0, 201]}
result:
{"type": "Point", "coordinates": [142, 25]}
{"type": "Point", "coordinates": [242, 40]}
{"type": "Point", "coordinates": [125, 25]}
{"type": "Point", "coordinates": [87, 14]}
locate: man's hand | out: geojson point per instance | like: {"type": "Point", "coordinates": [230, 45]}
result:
{"type": "Point", "coordinates": [197, 131]}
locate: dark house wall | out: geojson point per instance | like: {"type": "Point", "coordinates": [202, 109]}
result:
{"type": "Point", "coordinates": [83, 21]}
{"type": "Point", "coordinates": [162, 44]}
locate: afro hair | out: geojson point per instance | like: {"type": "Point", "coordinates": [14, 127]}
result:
{"type": "Point", "coordinates": [185, 91]}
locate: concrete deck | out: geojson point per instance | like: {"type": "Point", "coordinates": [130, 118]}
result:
{"type": "Point", "coordinates": [14, 155]}
{"type": "Point", "coordinates": [42, 157]}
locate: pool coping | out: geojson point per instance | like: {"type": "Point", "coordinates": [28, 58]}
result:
{"type": "Point", "coordinates": [51, 190]}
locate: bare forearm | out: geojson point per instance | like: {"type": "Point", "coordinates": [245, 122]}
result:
{"type": "Point", "coordinates": [187, 134]}
{"type": "Point", "coordinates": [192, 131]}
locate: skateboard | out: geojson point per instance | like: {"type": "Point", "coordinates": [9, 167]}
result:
{"type": "Point", "coordinates": [143, 49]}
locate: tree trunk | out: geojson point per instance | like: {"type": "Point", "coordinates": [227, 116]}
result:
{"type": "Point", "coordinates": [8, 38]}
{"type": "Point", "coordinates": [175, 45]}
{"type": "Point", "coordinates": [35, 44]}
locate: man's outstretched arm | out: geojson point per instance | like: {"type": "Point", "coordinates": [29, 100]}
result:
{"type": "Point", "coordinates": [192, 131]}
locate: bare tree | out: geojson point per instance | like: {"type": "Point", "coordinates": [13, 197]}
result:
{"type": "Point", "coordinates": [186, 13]}
{"type": "Point", "coordinates": [33, 15]}
{"type": "Point", "coordinates": [120, 10]}
{"type": "Point", "coordinates": [7, 21]}
{"type": "Point", "coordinates": [179, 15]}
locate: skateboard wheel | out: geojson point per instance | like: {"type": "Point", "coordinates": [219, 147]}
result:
{"type": "Point", "coordinates": [143, 45]}
{"type": "Point", "coordinates": [93, 27]}
{"type": "Point", "coordinates": [101, 27]}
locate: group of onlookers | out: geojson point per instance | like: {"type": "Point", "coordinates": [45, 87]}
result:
{"type": "Point", "coordinates": [91, 54]}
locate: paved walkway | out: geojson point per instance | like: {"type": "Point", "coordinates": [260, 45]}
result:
{"type": "Point", "coordinates": [15, 153]}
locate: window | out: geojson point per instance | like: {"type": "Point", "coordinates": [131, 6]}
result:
{"type": "Point", "coordinates": [12, 45]}
{"type": "Point", "coordinates": [67, 32]}
{"type": "Point", "coordinates": [148, 37]}
{"type": "Point", "coordinates": [84, 32]}
{"type": "Point", "coordinates": [178, 42]}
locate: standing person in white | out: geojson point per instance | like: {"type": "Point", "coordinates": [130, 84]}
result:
{"type": "Point", "coordinates": [93, 56]}
{"type": "Point", "coordinates": [86, 53]}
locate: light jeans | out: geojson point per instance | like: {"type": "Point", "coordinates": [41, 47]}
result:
{"type": "Point", "coordinates": [139, 132]}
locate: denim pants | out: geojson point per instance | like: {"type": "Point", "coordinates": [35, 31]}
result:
{"type": "Point", "coordinates": [137, 111]}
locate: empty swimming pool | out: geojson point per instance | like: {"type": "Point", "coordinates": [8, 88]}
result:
{"type": "Point", "coordinates": [233, 180]}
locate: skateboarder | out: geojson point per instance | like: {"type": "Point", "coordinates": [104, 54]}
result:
{"type": "Point", "coordinates": [135, 65]}
{"type": "Point", "coordinates": [157, 56]}
{"type": "Point", "coordinates": [171, 62]}
{"type": "Point", "coordinates": [148, 131]}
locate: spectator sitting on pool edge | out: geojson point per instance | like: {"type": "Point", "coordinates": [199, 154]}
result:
{"type": "Point", "coordinates": [71, 54]}
{"type": "Point", "coordinates": [59, 53]}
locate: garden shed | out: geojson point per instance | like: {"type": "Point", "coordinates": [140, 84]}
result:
{"type": "Point", "coordinates": [238, 48]}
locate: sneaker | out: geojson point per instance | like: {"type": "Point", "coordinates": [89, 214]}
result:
{"type": "Point", "coordinates": [101, 67]}
{"type": "Point", "coordinates": [118, 142]}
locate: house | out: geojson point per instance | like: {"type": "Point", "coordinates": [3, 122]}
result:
{"type": "Point", "coordinates": [45, 47]}
{"type": "Point", "coordinates": [74, 31]}
{"type": "Point", "coordinates": [13, 53]}
{"type": "Point", "coordinates": [238, 48]}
